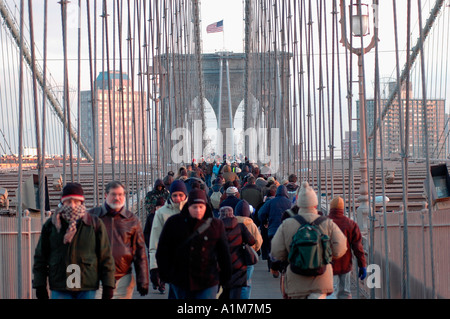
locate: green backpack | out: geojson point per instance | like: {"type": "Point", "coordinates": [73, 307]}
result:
{"type": "Point", "coordinates": [310, 249]}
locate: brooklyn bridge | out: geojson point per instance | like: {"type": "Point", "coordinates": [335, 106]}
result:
{"type": "Point", "coordinates": [348, 95]}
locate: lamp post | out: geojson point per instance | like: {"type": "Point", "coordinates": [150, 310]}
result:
{"type": "Point", "coordinates": [359, 15]}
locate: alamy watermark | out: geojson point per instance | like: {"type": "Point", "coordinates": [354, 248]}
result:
{"type": "Point", "coordinates": [258, 141]}
{"type": "Point", "coordinates": [373, 279]}
{"type": "Point", "coordinates": [74, 277]}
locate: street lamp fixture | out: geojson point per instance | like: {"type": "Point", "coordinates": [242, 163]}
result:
{"type": "Point", "coordinates": [359, 19]}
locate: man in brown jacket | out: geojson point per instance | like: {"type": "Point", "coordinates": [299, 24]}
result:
{"type": "Point", "coordinates": [127, 242]}
{"type": "Point", "coordinates": [307, 287]}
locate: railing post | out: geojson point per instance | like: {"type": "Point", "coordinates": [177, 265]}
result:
{"type": "Point", "coordinates": [27, 232]}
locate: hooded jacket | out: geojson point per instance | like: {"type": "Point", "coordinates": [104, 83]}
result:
{"type": "Point", "coordinates": [243, 215]}
{"type": "Point", "coordinates": [201, 263]}
{"type": "Point", "coordinates": [298, 286]}
{"type": "Point", "coordinates": [351, 230]}
{"type": "Point", "coordinates": [153, 195]}
{"type": "Point", "coordinates": [161, 216]}
{"type": "Point", "coordinates": [273, 209]}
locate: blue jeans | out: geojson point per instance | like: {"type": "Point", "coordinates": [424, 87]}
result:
{"type": "Point", "coordinates": [180, 293]}
{"type": "Point", "coordinates": [90, 294]}
{"type": "Point", "coordinates": [208, 180]}
{"type": "Point", "coordinates": [245, 294]}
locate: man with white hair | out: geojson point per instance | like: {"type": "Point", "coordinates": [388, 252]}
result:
{"type": "Point", "coordinates": [127, 242]}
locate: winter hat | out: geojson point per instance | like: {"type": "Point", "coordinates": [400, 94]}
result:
{"type": "Point", "coordinates": [307, 197]}
{"type": "Point", "coordinates": [226, 211]}
{"type": "Point", "coordinates": [178, 186]}
{"type": "Point", "coordinates": [72, 191]}
{"type": "Point", "coordinates": [337, 203]}
{"type": "Point", "coordinates": [232, 190]}
{"type": "Point", "coordinates": [197, 196]}
{"type": "Point", "coordinates": [243, 209]}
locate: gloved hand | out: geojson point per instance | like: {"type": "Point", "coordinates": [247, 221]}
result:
{"type": "Point", "coordinates": [362, 273]}
{"type": "Point", "coordinates": [154, 277]}
{"type": "Point", "coordinates": [41, 293]}
{"type": "Point", "coordinates": [108, 292]}
{"type": "Point", "coordinates": [142, 290]}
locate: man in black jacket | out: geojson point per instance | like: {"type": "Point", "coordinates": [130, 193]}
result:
{"type": "Point", "coordinates": [127, 242]}
{"type": "Point", "coordinates": [193, 254]}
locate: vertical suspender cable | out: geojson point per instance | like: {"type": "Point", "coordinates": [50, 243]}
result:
{"type": "Point", "coordinates": [425, 119]}
{"type": "Point", "coordinates": [93, 107]}
{"type": "Point", "coordinates": [79, 91]}
{"type": "Point", "coordinates": [44, 106]}
{"type": "Point", "coordinates": [36, 113]}
{"type": "Point", "coordinates": [19, 193]}
{"type": "Point", "coordinates": [66, 87]}
{"type": "Point", "coordinates": [404, 167]}
{"type": "Point", "coordinates": [122, 94]}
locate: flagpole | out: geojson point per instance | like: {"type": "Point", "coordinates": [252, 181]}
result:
{"type": "Point", "coordinates": [223, 37]}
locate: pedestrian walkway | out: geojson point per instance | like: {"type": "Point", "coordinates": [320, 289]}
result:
{"type": "Point", "coordinates": [264, 286]}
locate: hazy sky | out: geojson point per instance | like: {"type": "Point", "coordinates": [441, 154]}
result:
{"type": "Point", "coordinates": [231, 11]}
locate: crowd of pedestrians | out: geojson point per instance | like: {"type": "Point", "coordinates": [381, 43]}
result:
{"type": "Point", "coordinates": [198, 221]}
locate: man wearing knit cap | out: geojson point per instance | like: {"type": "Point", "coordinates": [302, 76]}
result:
{"type": "Point", "coordinates": [299, 286]}
{"type": "Point", "coordinates": [67, 237]}
{"type": "Point", "coordinates": [342, 267]}
{"type": "Point", "coordinates": [193, 254]}
{"type": "Point", "coordinates": [177, 199]}
{"type": "Point", "coordinates": [127, 242]}
{"type": "Point", "coordinates": [232, 197]}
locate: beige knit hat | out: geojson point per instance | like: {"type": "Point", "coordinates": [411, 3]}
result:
{"type": "Point", "coordinates": [307, 197]}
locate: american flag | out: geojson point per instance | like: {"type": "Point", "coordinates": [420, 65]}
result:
{"type": "Point", "coordinates": [215, 27]}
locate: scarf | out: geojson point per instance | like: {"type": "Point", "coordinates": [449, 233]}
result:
{"type": "Point", "coordinates": [72, 216]}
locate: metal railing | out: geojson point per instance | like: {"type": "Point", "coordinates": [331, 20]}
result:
{"type": "Point", "coordinates": [10, 287]}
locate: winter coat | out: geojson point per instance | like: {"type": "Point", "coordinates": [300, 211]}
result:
{"type": "Point", "coordinates": [153, 195]}
{"type": "Point", "coordinates": [161, 216]}
{"type": "Point", "coordinates": [351, 230]}
{"type": "Point", "coordinates": [298, 286]}
{"type": "Point", "coordinates": [230, 201]}
{"type": "Point", "coordinates": [215, 170]}
{"type": "Point", "coordinates": [243, 215]}
{"type": "Point", "coordinates": [90, 250]}
{"type": "Point", "coordinates": [201, 263]}
{"type": "Point", "coordinates": [229, 175]}
{"type": "Point", "coordinates": [273, 209]}
{"type": "Point", "coordinates": [252, 194]}
{"type": "Point", "coordinates": [127, 243]}
{"type": "Point", "coordinates": [237, 235]}
{"type": "Point", "coordinates": [148, 228]}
